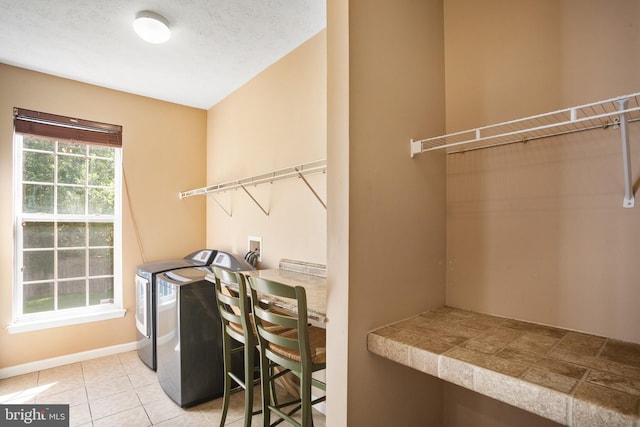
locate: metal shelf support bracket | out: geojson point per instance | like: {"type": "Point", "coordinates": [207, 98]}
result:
{"type": "Point", "coordinates": [629, 200]}
{"type": "Point", "coordinates": [219, 204]}
{"type": "Point", "coordinates": [315, 193]}
{"type": "Point", "coordinates": [266, 212]}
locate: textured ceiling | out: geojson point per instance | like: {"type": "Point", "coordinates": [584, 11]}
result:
{"type": "Point", "coordinates": [216, 45]}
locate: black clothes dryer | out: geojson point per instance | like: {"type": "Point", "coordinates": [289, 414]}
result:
{"type": "Point", "coordinates": [189, 346]}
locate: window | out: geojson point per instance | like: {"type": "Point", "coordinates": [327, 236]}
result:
{"type": "Point", "coordinates": [68, 221]}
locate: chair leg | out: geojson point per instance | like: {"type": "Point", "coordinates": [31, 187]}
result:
{"type": "Point", "coordinates": [305, 397]}
{"type": "Point", "coordinates": [269, 397]}
{"type": "Point", "coordinates": [226, 351]}
{"type": "Point", "coordinates": [272, 386]}
{"type": "Point", "coordinates": [248, 384]}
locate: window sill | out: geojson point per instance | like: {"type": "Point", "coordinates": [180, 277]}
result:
{"type": "Point", "coordinates": [47, 322]}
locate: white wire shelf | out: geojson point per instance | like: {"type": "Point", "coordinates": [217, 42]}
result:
{"type": "Point", "coordinates": [614, 113]}
{"type": "Point", "coordinates": [600, 114]}
{"type": "Point", "coordinates": [297, 171]}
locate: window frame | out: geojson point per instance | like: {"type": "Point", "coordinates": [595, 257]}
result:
{"type": "Point", "coordinates": [22, 322]}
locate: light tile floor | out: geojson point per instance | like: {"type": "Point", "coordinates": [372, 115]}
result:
{"type": "Point", "coordinates": [120, 391]}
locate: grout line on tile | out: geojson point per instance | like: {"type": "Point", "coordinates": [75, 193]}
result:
{"type": "Point", "coordinates": [474, 377]}
{"type": "Point", "coordinates": [144, 408]}
{"type": "Point", "coordinates": [604, 344]}
{"type": "Point", "coordinates": [553, 347]}
{"type": "Point", "coordinates": [581, 381]}
{"type": "Point", "coordinates": [570, 410]}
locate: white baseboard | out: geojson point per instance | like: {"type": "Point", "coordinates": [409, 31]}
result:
{"type": "Point", "coordinates": [39, 365]}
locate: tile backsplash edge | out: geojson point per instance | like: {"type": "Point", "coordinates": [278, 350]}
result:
{"type": "Point", "coordinates": [303, 267]}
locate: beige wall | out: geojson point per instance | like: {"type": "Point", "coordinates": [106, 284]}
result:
{"type": "Point", "coordinates": [465, 408]}
{"type": "Point", "coordinates": [276, 120]}
{"type": "Point", "coordinates": [163, 153]}
{"type": "Point", "coordinates": [537, 234]}
{"type": "Point", "coordinates": [507, 59]}
{"type": "Point", "coordinates": [396, 205]}
{"type": "Point", "coordinates": [338, 227]}
{"type": "Point", "coordinates": [537, 231]}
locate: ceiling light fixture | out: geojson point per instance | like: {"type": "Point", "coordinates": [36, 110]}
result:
{"type": "Point", "coordinates": [151, 27]}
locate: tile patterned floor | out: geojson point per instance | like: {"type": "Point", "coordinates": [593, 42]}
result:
{"type": "Point", "coordinates": [119, 391]}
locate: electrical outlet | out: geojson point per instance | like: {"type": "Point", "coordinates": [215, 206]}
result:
{"type": "Point", "coordinates": [255, 243]}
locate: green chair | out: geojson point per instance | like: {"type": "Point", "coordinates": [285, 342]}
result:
{"type": "Point", "coordinates": [236, 324]}
{"type": "Point", "coordinates": [300, 349]}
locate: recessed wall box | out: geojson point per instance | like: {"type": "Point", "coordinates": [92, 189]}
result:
{"type": "Point", "coordinates": [255, 243]}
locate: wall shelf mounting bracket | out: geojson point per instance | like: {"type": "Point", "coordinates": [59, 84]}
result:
{"type": "Point", "coordinates": [219, 204]}
{"type": "Point", "coordinates": [315, 193]}
{"type": "Point", "coordinates": [266, 212]}
{"type": "Point", "coordinates": [629, 200]}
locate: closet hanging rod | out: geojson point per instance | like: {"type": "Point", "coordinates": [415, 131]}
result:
{"type": "Point", "coordinates": [569, 120]}
{"type": "Point", "coordinates": [296, 171]}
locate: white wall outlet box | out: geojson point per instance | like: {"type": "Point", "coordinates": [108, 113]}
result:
{"type": "Point", "coordinates": [255, 243]}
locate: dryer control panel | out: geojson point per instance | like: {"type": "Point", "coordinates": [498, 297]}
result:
{"type": "Point", "coordinates": [203, 256]}
{"type": "Point", "coordinates": [231, 262]}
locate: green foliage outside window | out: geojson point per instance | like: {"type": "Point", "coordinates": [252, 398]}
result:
{"type": "Point", "coordinates": [68, 246]}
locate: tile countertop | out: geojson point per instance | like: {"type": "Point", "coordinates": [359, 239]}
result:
{"type": "Point", "coordinates": [315, 287]}
{"type": "Point", "coordinates": [568, 377]}
{"type": "Point", "coordinates": [312, 277]}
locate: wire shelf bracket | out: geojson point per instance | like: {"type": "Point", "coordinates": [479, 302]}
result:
{"type": "Point", "coordinates": [616, 113]}
{"type": "Point", "coordinates": [629, 200]}
{"type": "Point", "coordinates": [228, 212]}
{"type": "Point", "coordinates": [297, 171]}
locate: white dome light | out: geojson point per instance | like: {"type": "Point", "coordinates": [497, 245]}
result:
{"type": "Point", "coordinates": [151, 27]}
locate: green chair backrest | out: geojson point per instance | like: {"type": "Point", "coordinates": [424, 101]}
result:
{"type": "Point", "coordinates": [233, 304]}
{"type": "Point", "coordinates": [266, 315]}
